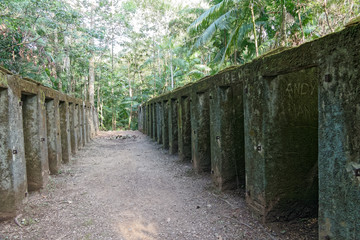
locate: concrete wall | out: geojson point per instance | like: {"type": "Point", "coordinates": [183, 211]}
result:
{"type": "Point", "coordinates": [286, 126]}
{"type": "Point", "coordinates": [39, 128]}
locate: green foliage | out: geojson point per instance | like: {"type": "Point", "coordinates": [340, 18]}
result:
{"type": "Point", "coordinates": [145, 48]}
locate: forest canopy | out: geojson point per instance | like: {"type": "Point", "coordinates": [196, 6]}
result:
{"type": "Point", "coordinates": [119, 53]}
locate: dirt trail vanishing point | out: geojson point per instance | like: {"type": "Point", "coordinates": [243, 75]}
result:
{"type": "Point", "coordinates": [131, 189]}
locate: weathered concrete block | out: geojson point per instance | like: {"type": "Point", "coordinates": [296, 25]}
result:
{"type": "Point", "coordinates": [35, 139]}
{"type": "Point", "coordinates": [140, 119]}
{"type": "Point", "coordinates": [173, 126]}
{"type": "Point", "coordinates": [339, 136]}
{"type": "Point", "coordinates": [13, 181]}
{"type": "Point", "coordinates": [65, 132]}
{"type": "Point", "coordinates": [159, 127]}
{"type": "Point", "coordinates": [226, 136]}
{"type": "Point", "coordinates": [73, 128]}
{"type": "Point", "coordinates": [184, 128]}
{"type": "Point", "coordinates": [165, 125]}
{"type": "Point", "coordinates": [154, 121]}
{"type": "Point", "coordinates": [53, 135]}
{"type": "Point", "coordinates": [79, 126]}
{"type": "Point", "coordinates": [281, 122]}
{"type": "Point", "coordinates": [87, 123]}
{"type": "Point", "coordinates": [83, 124]}
{"type": "Point", "coordinates": [200, 125]}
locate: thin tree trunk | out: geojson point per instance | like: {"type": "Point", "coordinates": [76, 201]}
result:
{"type": "Point", "coordinates": [92, 63]}
{"type": "Point", "coordinates": [171, 70]}
{"type": "Point", "coordinates": [254, 27]}
{"type": "Point", "coordinates": [327, 16]}
{"type": "Point", "coordinates": [113, 109]}
{"type": "Point", "coordinates": [283, 41]}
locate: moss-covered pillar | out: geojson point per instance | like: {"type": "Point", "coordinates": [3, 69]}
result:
{"type": "Point", "coordinates": [200, 125]}
{"type": "Point", "coordinates": [13, 183]}
{"type": "Point", "coordinates": [159, 128]}
{"type": "Point", "coordinates": [79, 126]}
{"type": "Point", "coordinates": [154, 121]}
{"type": "Point", "coordinates": [83, 123]}
{"type": "Point", "coordinates": [73, 128]}
{"type": "Point", "coordinates": [165, 125]}
{"type": "Point", "coordinates": [281, 122]}
{"type": "Point", "coordinates": [140, 119]}
{"type": "Point", "coordinates": [53, 135]}
{"type": "Point", "coordinates": [65, 132]}
{"type": "Point", "coordinates": [173, 126]}
{"type": "Point", "coordinates": [36, 152]}
{"type": "Point", "coordinates": [87, 123]}
{"type": "Point", "coordinates": [151, 120]}
{"type": "Point", "coordinates": [184, 128]}
{"type": "Point", "coordinates": [226, 137]}
{"type": "Point", "coordinates": [339, 138]}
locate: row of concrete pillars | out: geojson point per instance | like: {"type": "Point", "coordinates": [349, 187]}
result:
{"type": "Point", "coordinates": [285, 126]}
{"type": "Point", "coordinates": [39, 130]}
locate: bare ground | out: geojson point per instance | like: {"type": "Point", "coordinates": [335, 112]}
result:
{"type": "Point", "coordinates": [131, 189]}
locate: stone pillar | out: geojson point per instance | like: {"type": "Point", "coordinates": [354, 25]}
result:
{"type": "Point", "coordinates": [53, 135]}
{"type": "Point", "coordinates": [143, 110]}
{"type": "Point", "coordinates": [227, 146]}
{"type": "Point", "coordinates": [159, 128]}
{"type": "Point", "coordinates": [281, 141]}
{"type": "Point", "coordinates": [154, 121]}
{"type": "Point", "coordinates": [83, 124]}
{"type": "Point", "coordinates": [35, 139]}
{"type": "Point", "coordinates": [65, 132]}
{"type": "Point", "coordinates": [200, 125]}
{"type": "Point", "coordinates": [79, 126]}
{"type": "Point", "coordinates": [149, 120]}
{"type": "Point", "coordinates": [13, 181]}
{"type": "Point", "coordinates": [140, 119]}
{"type": "Point", "coordinates": [339, 138]}
{"type": "Point", "coordinates": [165, 125]}
{"type": "Point", "coordinates": [173, 126]}
{"type": "Point", "coordinates": [73, 128]}
{"type": "Point", "coordinates": [184, 129]}
{"type": "Point", "coordinates": [88, 123]}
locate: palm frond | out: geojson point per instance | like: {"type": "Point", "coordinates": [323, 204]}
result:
{"type": "Point", "coordinates": [220, 23]}
{"type": "Point", "coordinates": [210, 15]}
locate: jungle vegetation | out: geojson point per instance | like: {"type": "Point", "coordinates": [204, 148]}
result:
{"type": "Point", "coordinates": [119, 53]}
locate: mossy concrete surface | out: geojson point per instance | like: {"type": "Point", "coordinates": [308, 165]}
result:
{"type": "Point", "coordinates": [53, 135]}
{"type": "Point", "coordinates": [173, 126]}
{"type": "Point", "coordinates": [339, 136]}
{"type": "Point", "coordinates": [286, 124]}
{"type": "Point", "coordinates": [184, 128]}
{"type": "Point", "coordinates": [30, 138]}
{"type": "Point", "coordinates": [159, 127]}
{"type": "Point", "coordinates": [200, 130]}
{"type": "Point", "coordinates": [165, 125]}
{"type": "Point", "coordinates": [35, 139]}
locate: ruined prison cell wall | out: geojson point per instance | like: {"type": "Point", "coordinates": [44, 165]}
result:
{"type": "Point", "coordinates": [285, 126]}
{"type": "Point", "coordinates": [39, 129]}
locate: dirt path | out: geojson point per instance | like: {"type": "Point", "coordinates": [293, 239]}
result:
{"type": "Point", "coordinates": [132, 189]}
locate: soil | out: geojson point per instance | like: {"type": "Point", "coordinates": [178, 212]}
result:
{"type": "Point", "coordinates": [123, 185]}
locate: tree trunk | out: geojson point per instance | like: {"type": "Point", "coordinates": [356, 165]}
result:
{"type": "Point", "coordinates": [283, 41]}
{"type": "Point", "coordinates": [327, 16]}
{"type": "Point", "coordinates": [254, 27]}
{"type": "Point", "coordinates": [171, 70]}
{"type": "Point", "coordinates": [92, 63]}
